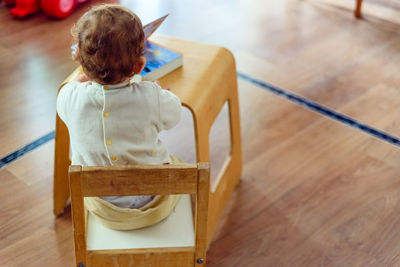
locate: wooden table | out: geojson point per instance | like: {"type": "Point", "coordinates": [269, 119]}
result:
{"type": "Point", "coordinates": [204, 84]}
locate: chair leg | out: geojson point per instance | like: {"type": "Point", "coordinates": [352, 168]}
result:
{"type": "Point", "coordinates": [202, 213]}
{"type": "Point", "coordinates": [357, 11]}
{"type": "Point", "coordinates": [61, 164]}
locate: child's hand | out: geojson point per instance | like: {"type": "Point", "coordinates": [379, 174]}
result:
{"type": "Point", "coordinates": [158, 82]}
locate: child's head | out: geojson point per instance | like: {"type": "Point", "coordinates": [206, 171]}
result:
{"type": "Point", "coordinates": [110, 43]}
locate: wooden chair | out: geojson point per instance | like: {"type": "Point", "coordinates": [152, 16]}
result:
{"type": "Point", "coordinates": [141, 180]}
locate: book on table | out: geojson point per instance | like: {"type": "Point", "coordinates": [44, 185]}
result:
{"type": "Point", "coordinates": [159, 60]}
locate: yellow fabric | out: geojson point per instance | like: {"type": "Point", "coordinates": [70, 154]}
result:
{"type": "Point", "coordinates": [128, 219]}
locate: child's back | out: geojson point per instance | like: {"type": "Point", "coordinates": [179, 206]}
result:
{"type": "Point", "coordinates": [120, 125]}
{"type": "Point", "coordinates": [112, 121]}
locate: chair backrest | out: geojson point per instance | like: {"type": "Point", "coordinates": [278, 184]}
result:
{"type": "Point", "coordinates": [141, 180]}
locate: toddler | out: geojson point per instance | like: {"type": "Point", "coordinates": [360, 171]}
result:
{"type": "Point", "coordinates": [113, 121]}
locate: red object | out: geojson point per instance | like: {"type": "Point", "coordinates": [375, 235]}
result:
{"type": "Point", "coordinates": [9, 2]}
{"type": "Point", "coordinates": [58, 8]}
{"type": "Point", "coordinates": [55, 8]}
{"type": "Point", "coordinates": [24, 7]}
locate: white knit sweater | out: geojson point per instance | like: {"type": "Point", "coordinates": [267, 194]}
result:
{"type": "Point", "coordinates": [117, 124]}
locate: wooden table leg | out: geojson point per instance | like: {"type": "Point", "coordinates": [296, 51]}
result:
{"type": "Point", "coordinates": [357, 11]}
{"type": "Point", "coordinates": [61, 164]}
{"type": "Point", "coordinates": [229, 176]}
{"type": "Point", "coordinates": [61, 159]}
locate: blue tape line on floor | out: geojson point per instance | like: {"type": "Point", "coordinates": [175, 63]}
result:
{"type": "Point", "coordinates": [323, 110]}
{"type": "Point", "coordinates": [290, 96]}
{"type": "Point", "coordinates": [23, 150]}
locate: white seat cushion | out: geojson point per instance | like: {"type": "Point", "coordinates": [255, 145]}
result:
{"type": "Point", "coordinates": [175, 231]}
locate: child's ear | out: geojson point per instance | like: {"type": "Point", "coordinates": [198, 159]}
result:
{"type": "Point", "coordinates": [139, 66]}
{"type": "Point", "coordinates": [75, 54]}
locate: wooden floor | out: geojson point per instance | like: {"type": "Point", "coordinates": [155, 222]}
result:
{"type": "Point", "coordinates": [314, 192]}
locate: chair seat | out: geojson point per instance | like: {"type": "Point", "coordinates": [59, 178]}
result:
{"type": "Point", "coordinates": [176, 230]}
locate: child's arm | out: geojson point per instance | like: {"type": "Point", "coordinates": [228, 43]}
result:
{"type": "Point", "coordinates": [169, 107]}
{"type": "Point", "coordinates": [159, 84]}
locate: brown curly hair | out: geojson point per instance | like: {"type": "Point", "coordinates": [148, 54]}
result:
{"type": "Point", "coordinates": [110, 43]}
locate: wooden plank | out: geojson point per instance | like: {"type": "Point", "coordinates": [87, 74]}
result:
{"type": "Point", "coordinates": [29, 235]}
{"type": "Point", "coordinates": [34, 169]}
{"type": "Point", "coordinates": [291, 207]}
{"type": "Point", "coordinates": [78, 213]}
{"type": "Point", "coordinates": [202, 207]}
{"type": "Point", "coordinates": [168, 257]}
{"type": "Point", "coordinates": [143, 180]}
